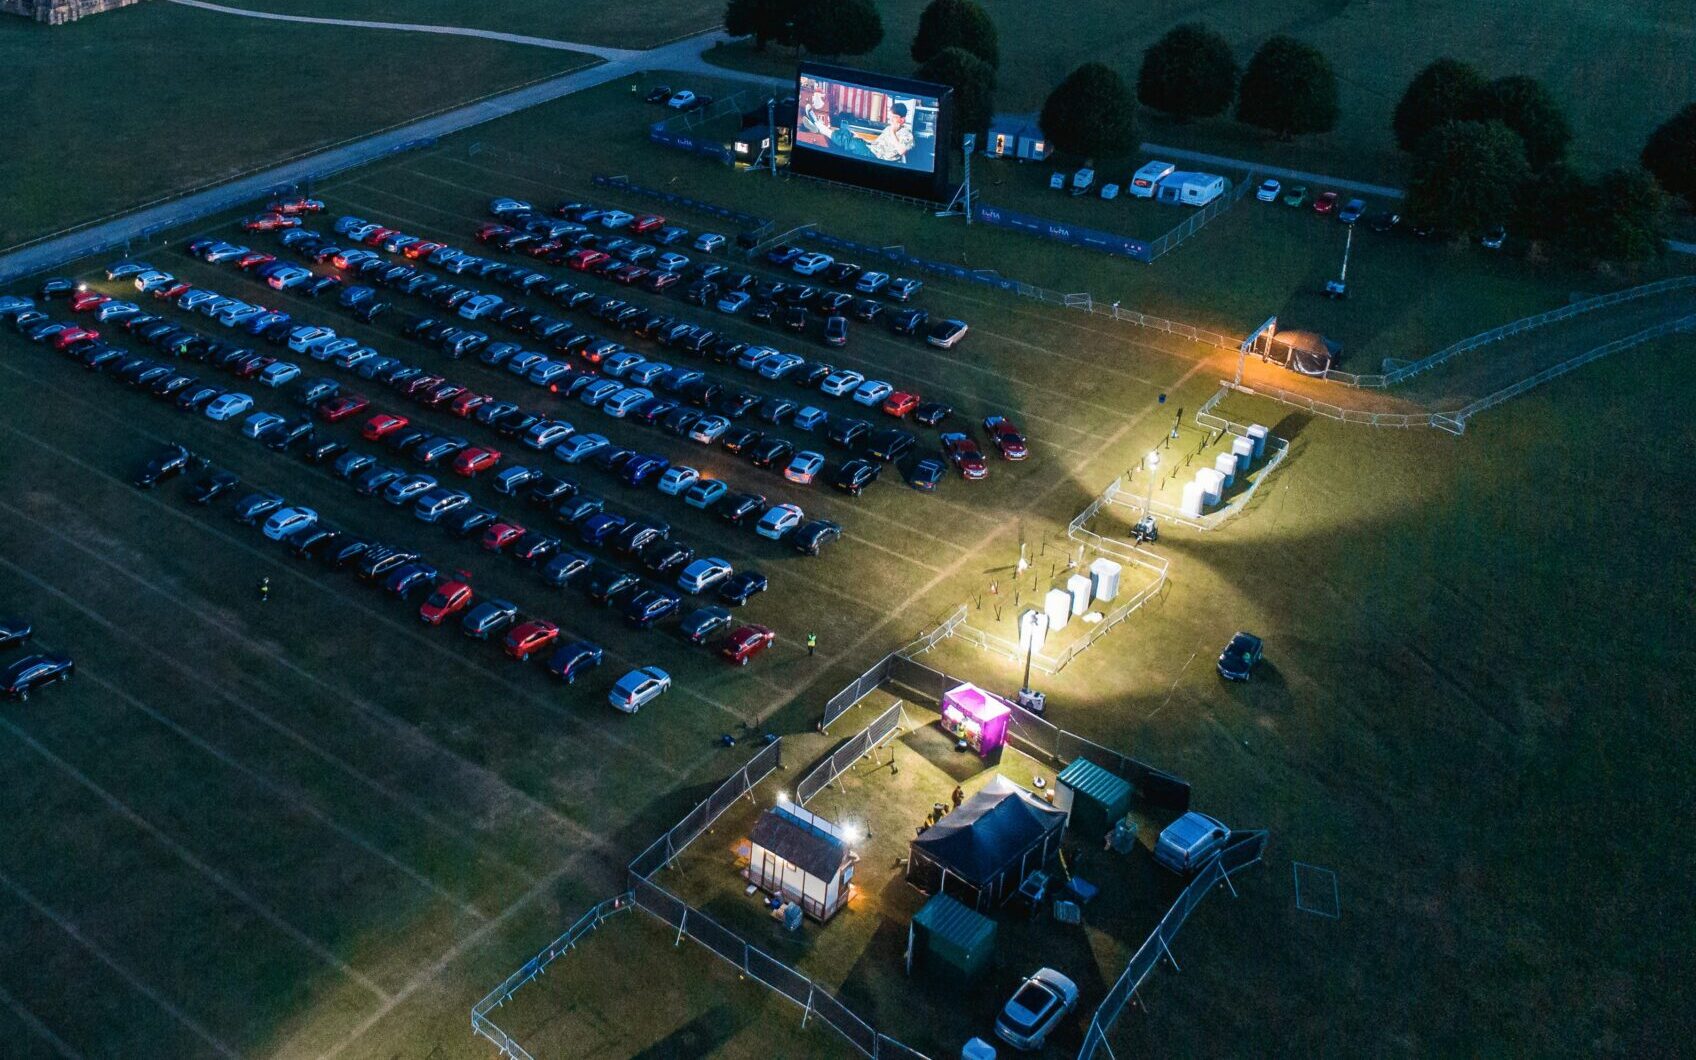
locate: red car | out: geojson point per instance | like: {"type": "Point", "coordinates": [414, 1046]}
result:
{"type": "Point", "coordinates": [422, 249]}
{"type": "Point", "coordinates": [900, 403]}
{"type": "Point", "coordinates": [342, 406]}
{"type": "Point", "coordinates": [269, 222]}
{"type": "Point", "coordinates": [175, 290]}
{"type": "Point", "coordinates": [544, 248]}
{"type": "Point", "coordinates": [745, 643]}
{"type": "Point", "coordinates": [647, 222]}
{"type": "Point", "coordinates": [531, 637]}
{"type": "Point", "coordinates": [496, 538]}
{"type": "Point", "coordinates": [252, 366]}
{"type": "Point", "coordinates": [1326, 203]}
{"type": "Point", "coordinates": [629, 273]}
{"type": "Point", "coordinates": [254, 259]}
{"type": "Point", "coordinates": [583, 259]}
{"type": "Point", "coordinates": [965, 455]}
{"type": "Point", "coordinates": [383, 423]}
{"type": "Point", "coordinates": [488, 232]}
{"type": "Point", "coordinates": [476, 459]}
{"type": "Point", "coordinates": [448, 600]}
{"type": "Point", "coordinates": [375, 239]}
{"type": "Point", "coordinates": [467, 403]}
{"type": "Point", "coordinates": [1006, 437]}
{"type": "Point", "coordinates": [442, 394]}
{"type": "Point", "coordinates": [83, 301]}
{"type": "Point", "coordinates": [73, 334]}
{"type": "Point", "coordinates": [294, 206]}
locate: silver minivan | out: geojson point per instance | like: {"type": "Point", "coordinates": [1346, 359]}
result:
{"type": "Point", "coordinates": [1187, 843]}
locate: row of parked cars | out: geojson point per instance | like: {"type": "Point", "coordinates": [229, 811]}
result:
{"type": "Point", "coordinates": [1354, 210]}
{"type": "Point", "coordinates": [32, 671]}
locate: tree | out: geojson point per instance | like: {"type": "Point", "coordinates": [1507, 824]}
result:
{"type": "Point", "coordinates": [1670, 154]}
{"type": "Point", "coordinates": [956, 24]}
{"type": "Point", "coordinates": [1091, 114]}
{"type": "Point", "coordinates": [1467, 175]}
{"type": "Point", "coordinates": [841, 27]}
{"type": "Point", "coordinates": [1288, 89]}
{"type": "Point", "coordinates": [1447, 90]}
{"type": "Point", "coordinates": [1189, 73]}
{"type": "Point", "coordinates": [767, 21]}
{"type": "Point", "coordinates": [973, 82]}
{"type": "Point", "coordinates": [1546, 204]}
{"type": "Point", "coordinates": [1526, 107]}
{"type": "Point", "coordinates": [1625, 220]}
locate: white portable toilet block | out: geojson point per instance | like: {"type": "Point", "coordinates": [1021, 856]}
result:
{"type": "Point", "coordinates": [1257, 435]}
{"type": "Point", "coordinates": [1226, 464]}
{"type": "Point", "coordinates": [1245, 450]}
{"type": "Point", "coordinates": [1057, 605]}
{"type": "Point", "coordinates": [1033, 629]}
{"type": "Point", "coordinates": [1104, 577]}
{"type": "Point", "coordinates": [1078, 587]}
{"type": "Point", "coordinates": [1212, 485]}
{"type": "Point", "coordinates": [1190, 505]}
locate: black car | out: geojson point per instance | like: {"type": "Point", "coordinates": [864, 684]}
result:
{"type": "Point", "coordinates": [534, 548]}
{"type": "Point", "coordinates": [319, 452]}
{"type": "Point", "coordinates": [579, 507]}
{"type": "Point", "coordinates": [890, 444]}
{"type": "Point", "coordinates": [607, 582]}
{"type": "Point", "coordinates": [737, 404]}
{"type": "Point", "coordinates": [33, 671]}
{"type": "Point", "coordinates": [662, 557]}
{"type": "Point", "coordinates": [740, 440]}
{"type": "Point", "coordinates": [471, 519]}
{"type": "Point", "coordinates": [633, 537]}
{"type": "Point", "coordinates": [488, 618]}
{"type": "Point", "coordinates": [908, 321]}
{"type": "Point", "coordinates": [410, 578]}
{"type": "Point", "coordinates": [548, 490]}
{"type": "Point", "coordinates": [868, 309]}
{"type": "Point", "coordinates": [379, 562]}
{"type": "Point", "coordinates": [1241, 655]}
{"type": "Point", "coordinates": [810, 538]}
{"type": "Point", "coordinates": [575, 658]}
{"type": "Point", "coordinates": [795, 318]}
{"type": "Point", "coordinates": [855, 475]}
{"type": "Point", "coordinates": [316, 540]}
{"type": "Point", "coordinates": [926, 474]}
{"type": "Point", "coordinates": [701, 624]}
{"type": "Point", "coordinates": [836, 330]}
{"type": "Point", "coordinates": [212, 485]}
{"type": "Point", "coordinates": [347, 553]}
{"type": "Point", "coordinates": [15, 631]}
{"type": "Point", "coordinates": [287, 435]}
{"type": "Point", "coordinates": [846, 432]}
{"type": "Point", "coordinates": [931, 413]}
{"type": "Point", "coordinates": [649, 606]}
{"type": "Point", "coordinates": [565, 566]}
{"type": "Point", "coordinates": [373, 480]}
{"type": "Point", "coordinates": [739, 508]}
{"type": "Point", "coordinates": [773, 452]}
{"type": "Point", "coordinates": [172, 460]}
{"type": "Point", "coordinates": [256, 506]}
{"type": "Point", "coordinates": [741, 586]}
{"type": "Point", "coordinates": [777, 411]}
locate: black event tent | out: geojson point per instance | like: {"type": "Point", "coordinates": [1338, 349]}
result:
{"type": "Point", "coordinates": [982, 851]}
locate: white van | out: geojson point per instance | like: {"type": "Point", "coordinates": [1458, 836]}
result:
{"type": "Point", "coordinates": [1187, 843]}
{"type": "Point", "coordinates": [1145, 180]}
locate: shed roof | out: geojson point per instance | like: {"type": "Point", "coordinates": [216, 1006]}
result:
{"type": "Point", "coordinates": [813, 850]}
{"type": "Point", "coordinates": [949, 919]}
{"type": "Point", "coordinates": [1100, 784]}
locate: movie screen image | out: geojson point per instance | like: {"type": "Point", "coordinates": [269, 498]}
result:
{"type": "Point", "coordinates": [866, 124]}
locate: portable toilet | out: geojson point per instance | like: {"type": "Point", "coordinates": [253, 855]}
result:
{"type": "Point", "coordinates": [1226, 464]}
{"type": "Point", "coordinates": [949, 939]}
{"type": "Point", "coordinates": [1057, 605]}
{"type": "Point", "coordinates": [1094, 797]}
{"type": "Point", "coordinates": [1243, 450]}
{"type": "Point", "coordinates": [977, 1049]}
{"type": "Point", "coordinates": [1257, 435]}
{"type": "Point", "coordinates": [1082, 181]}
{"type": "Point", "coordinates": [1057, 180]}
{"type": "Point", "coordinates": [1078, 587]}
{"type": "Point", "coordinates": [1212, 485]}
{"type": "Point", "coordinates": [1190, 504]}
{"type": "Point", "coordinates": [1104, 578]}
{"type": "Point", "coordinates": [1110, 191]}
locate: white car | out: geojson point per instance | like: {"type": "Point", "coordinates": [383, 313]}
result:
{"type": "Point", "coordinates": [326, 349]}
{"type": "Point", "coordinates": [872, 282]}
{"type": "Point", "coordinates": [616, 219]}
{"type": "Point", "coordinates": [804, 467]}
{"type": "Point", "coordinates": [153, 279]}
{"type": "Point", "coordinates": [548, 434]}
{"type": "Point", "coordinates": [779, 520]}
{"type": "Point", "coordinates": [307, 334]}
{"type": "Point", "coordinates": [1268, 191]}
{"type": "Point", "coordinates": [837, 384]}
{"type": "Point", "coordinates": [703, 574]}
{"type": "Point", "coordinates": [812, 264]}
{"type": "Point", "coordinates": [114, 310]}
{"type": "Point", "coordinates": [1035, 1009]}
{"type": "Point", "coordinates": [240, 313]}
{"type": "Point", "coordinates": [624, 402]}
{"type": "Point", "coordinates": [615, 366]}
{"type": "Point", "coordinates": [578, 447]}
{"type": "Point", "coordinates": [680, 100]}
{"type": "Point", "coordinates": [279, 372]}
{"type": "Point", "coordinates": [708, 242]}
{"type": "Point", "coordinates": [259, 423]}
{"type": "Point", "coordinates": [285, 521]}
{"type": "Point", "coordinates": [872, 392]}
{"type": "Point", "coordinates": [678, 479]}
{"type": "Point", "coordinates": [545, 373]}
{"type": "Point", "coordinates": [708, 429]}
{"type": "Point", "coordinates": [228, 407]}
{"type": "Point", "coordinates": [478, 305]}
{"type": "Point", "coordinates": [638, 688]}
{"type": "Point", "coordinates": [646, 372]}
{"type": "Point", "coordinates": [671, 261]}
{"type": "Point", "coordinates": [779, 365]}
{"type": "Point", "coordinates": [284, 279]}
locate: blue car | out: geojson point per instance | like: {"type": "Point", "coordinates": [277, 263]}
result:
{"type": "Point", "coordinates": [575, 658]}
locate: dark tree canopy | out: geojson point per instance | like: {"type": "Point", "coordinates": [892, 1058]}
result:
{"type": "Point", "coordinates": [1526, 107]}
{"type": "Point", "coordinates": [1670, 154]}
{"type": "Point", "coordinates": [973, 81]}
{"type": "Point", "coordinates": [1546, 203]}
{"type": "Point", "coordinates": [1091, 114]}
{"type": "Point", "coordinates": [1467, 175]}
{"type": "Point", "coordinates": [1624, 220]}
{"type": "Point", "coordinates": [841, 27]}
{"type": "Point", "coordinates": [956, 24]}
{"type": "Point", "coordinates": [1447, 90]}
{"type": "Point", "coordinates": [1189, 73]}
{"type": "Point", "coordinates": [1289, 88]}
{"type": "Point", "coordinates": [767, 21]}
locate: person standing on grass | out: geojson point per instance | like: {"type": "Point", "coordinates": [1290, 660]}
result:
{"type": "Point", "coordinates": [812, 643]}
{"type": "Point", "coordinates": [959, 796]}
{"type": "Point", "coordinates": [264, 589]}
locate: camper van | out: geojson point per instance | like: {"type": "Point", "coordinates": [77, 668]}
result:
{"type": "Point", "coordinates": [1146, 179]}
{"type": "Point", "coordinates": [1190, 189]}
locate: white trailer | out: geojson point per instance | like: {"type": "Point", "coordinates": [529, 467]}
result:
{"type": "Point", "coordinates": [1191, 189]}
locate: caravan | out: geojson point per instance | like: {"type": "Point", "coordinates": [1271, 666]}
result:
{"type": "Point", "coordinates": [1190, 189]}
{"type": "Point", "coordinates": [1145, 180]}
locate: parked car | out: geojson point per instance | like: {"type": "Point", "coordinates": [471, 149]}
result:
{"type": "Point", "coordinates": [1240, 657]}
{"type": "Point", "coordinates": [945, 334]}
{"type": "Point", "coordinates": [1296, 196]}
{"type": "Point", "coordinates": [1493, 237]}
{"type": "Point", "coordinates": [1187, 843]}
{"type": "Point", "coordinates": [1005, 435]}
{"type": "Point", "coordinates": [1268, 191]}
{"type": "Point", "coordinates": [488, 618]}
{"type": "Point", "coordinates": [742, 585]}
{"type": "Point", "coordinates": [168, 462]}
{"type": "Point", "coordinates": [1035, 1009]}
{"type": "Point", "coordinates": [638, 688]}
{"type": "Point", "coordinates": [575, 659]}
{"type": "Point", "coordinates": [746, 642]}
{"type": "Point", "coordinates": [32, 672]}
{"type": "Point", "coordinates": [449, 599]}
{"type": "Point", "coordinates": [15, 632]}
{"type": "Point", "coordinates": [1326, 203]}
{"type": "Point", "coordinates": [1352, 211]}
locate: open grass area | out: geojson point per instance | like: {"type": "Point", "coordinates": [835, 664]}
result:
{"type": "Point", "coordinates": [579, 21]}
{"type": "Point", "coordinates": [332, 829]}
{"type": "Point", "coordinates": [1578, 49]}
{"type": "Point", "coordinates": [157, 99]}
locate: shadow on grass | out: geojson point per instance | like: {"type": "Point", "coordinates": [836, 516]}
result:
{"type": "Point", "coordinates": [701, 1036]}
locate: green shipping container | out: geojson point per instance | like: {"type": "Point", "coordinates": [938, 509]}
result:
{"type": "Point", "coordinates": [946, 935]}
{"type": "Point", "coordinates": [1099, 798]}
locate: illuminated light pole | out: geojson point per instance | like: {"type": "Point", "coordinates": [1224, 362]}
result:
{"type": "Point", "coordinates": [1153, 462]}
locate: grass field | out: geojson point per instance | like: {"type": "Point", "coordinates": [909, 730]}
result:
{"type": "Point", "coordinates": [335, 829]}
{"type": "Point", "coordinates": [1579, 50]}
{"type": "Point", "coordinates": [612, 25]}
{"type": "Point", "coordinates": [158, 99]}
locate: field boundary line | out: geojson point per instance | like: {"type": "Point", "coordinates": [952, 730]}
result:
{"type": "Point", "coordinates": [190, 858]}
{"type": "Point", "coordinates": [41, 1029]}
{"type": "Point", "coordinates": [65, 924]}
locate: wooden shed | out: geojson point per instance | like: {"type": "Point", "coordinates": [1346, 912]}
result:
{"type": "Point", "coordinates": [800, 856]}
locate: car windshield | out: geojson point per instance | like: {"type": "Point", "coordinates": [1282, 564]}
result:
{"type": "Point", "coordinates": [1032, 998]}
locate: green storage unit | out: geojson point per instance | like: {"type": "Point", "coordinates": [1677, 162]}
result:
{"type": "Point", "coordinates": [1098, 798]}
{"type": "Point", "coordinates": [947, 935]}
